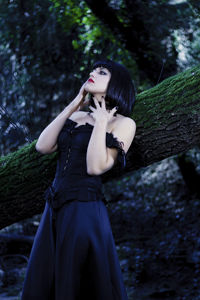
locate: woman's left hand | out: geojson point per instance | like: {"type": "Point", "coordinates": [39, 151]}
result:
{"type": "Point", "coordinates": [100, 113]}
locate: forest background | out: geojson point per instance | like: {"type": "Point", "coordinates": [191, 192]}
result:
{"type": "Point", "coordinates": [47, 49]}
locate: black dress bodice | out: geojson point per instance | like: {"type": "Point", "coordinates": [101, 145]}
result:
{"type": "Point", "coordinates": [72, 182]}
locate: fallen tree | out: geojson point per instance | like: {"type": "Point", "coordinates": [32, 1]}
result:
{"type": "Point", "coordinates": [168, 123]}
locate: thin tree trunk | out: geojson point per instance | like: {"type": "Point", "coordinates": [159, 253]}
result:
{"type": "Point", "coordinates": [137, 39]}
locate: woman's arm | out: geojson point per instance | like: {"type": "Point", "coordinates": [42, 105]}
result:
{"type": "Point", "coordinates": [47, 141]}
{"type": "Point", "coordinates": [101, 158]}
{"type": "Point", "coordinates": [96, 151]}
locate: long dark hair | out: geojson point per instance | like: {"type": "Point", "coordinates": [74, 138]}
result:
{"type": "Point", "coordinates": [121, 90]}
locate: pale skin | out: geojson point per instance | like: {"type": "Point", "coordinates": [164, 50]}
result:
{"type": "Point", "coordinates": [99, 158]}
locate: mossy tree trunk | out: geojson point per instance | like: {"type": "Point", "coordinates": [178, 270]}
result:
{"type": "Point", "coordinates": [168, 122]}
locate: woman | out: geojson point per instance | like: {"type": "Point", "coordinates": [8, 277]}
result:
{"type": "Point", "coordinates": [74, 256]}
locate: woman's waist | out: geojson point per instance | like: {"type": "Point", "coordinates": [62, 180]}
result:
{"type": "Point", "coordinates": [82, 193]}
{"type": "Point", "coordinates": [67, 188]}
{"type": "Point", "coordinates": [73, 181]}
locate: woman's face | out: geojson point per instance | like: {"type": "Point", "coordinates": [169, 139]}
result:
{"type": "Point", "coordinates": [98, 81]}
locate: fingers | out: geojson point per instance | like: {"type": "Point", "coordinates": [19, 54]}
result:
{"type": "Point", "coordinates": [82, 90]}
{"type": "Point", "coordinates": [103, 103]}
{"type": "Point", "coordinates": [91, 108]}
{"type": "Point", "coordinates": [96, 102]}
{"type": "Point", "coordinates": [115, 108]}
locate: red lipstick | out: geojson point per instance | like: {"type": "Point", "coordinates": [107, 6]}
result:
{"type": "Point", "coordinates": [90, 80]}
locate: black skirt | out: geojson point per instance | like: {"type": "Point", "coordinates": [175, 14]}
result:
{"type": "Point", "coordinates": [74, 256]}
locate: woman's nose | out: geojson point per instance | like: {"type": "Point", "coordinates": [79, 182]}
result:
{"type": "Point", "coordinates": [92, 73]}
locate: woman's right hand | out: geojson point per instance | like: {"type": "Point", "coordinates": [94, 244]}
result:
{"type": "Point", "coordinates": [82, 93]}
{"type": "Point", "coordinates": [79, 100]}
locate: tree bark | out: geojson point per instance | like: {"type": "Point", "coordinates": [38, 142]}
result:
{"type": "Point", "coordinates": [168, 122]}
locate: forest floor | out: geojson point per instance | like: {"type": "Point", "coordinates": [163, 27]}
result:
{"type": "Point", "coordinates": [156, 227]}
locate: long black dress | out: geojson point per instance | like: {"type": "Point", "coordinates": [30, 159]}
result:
{"type": "Point", "coordinates": [73, 256]}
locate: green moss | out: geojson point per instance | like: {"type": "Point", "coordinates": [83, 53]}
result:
{"type": "Point", "coordinates": [22, 166]}
{"type": "Point", "coordinates": [175, 94]}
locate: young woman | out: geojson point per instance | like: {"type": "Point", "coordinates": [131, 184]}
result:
{"type": "Point", "coordinates": [73, 255]}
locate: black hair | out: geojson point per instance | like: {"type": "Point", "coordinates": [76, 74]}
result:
{"type": "Point", "coordinates": [121, 90]}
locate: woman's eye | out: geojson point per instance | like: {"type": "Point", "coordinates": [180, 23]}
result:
{"type": "Point", "coordinates": [102, 73]}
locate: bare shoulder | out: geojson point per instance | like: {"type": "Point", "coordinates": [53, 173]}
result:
{"type": "Point", "coordinates": [125, 123]}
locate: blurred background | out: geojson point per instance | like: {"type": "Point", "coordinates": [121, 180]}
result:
{"type": "Point", "coordinates": [47, 49]}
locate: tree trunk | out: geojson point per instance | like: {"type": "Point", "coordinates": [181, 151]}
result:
{"type": "Point", "coordinates": [168, 122]}
{"type": "Point", "coordinates": [137, 36]}
{"type": "Point", "coordinates": [189, 173]}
